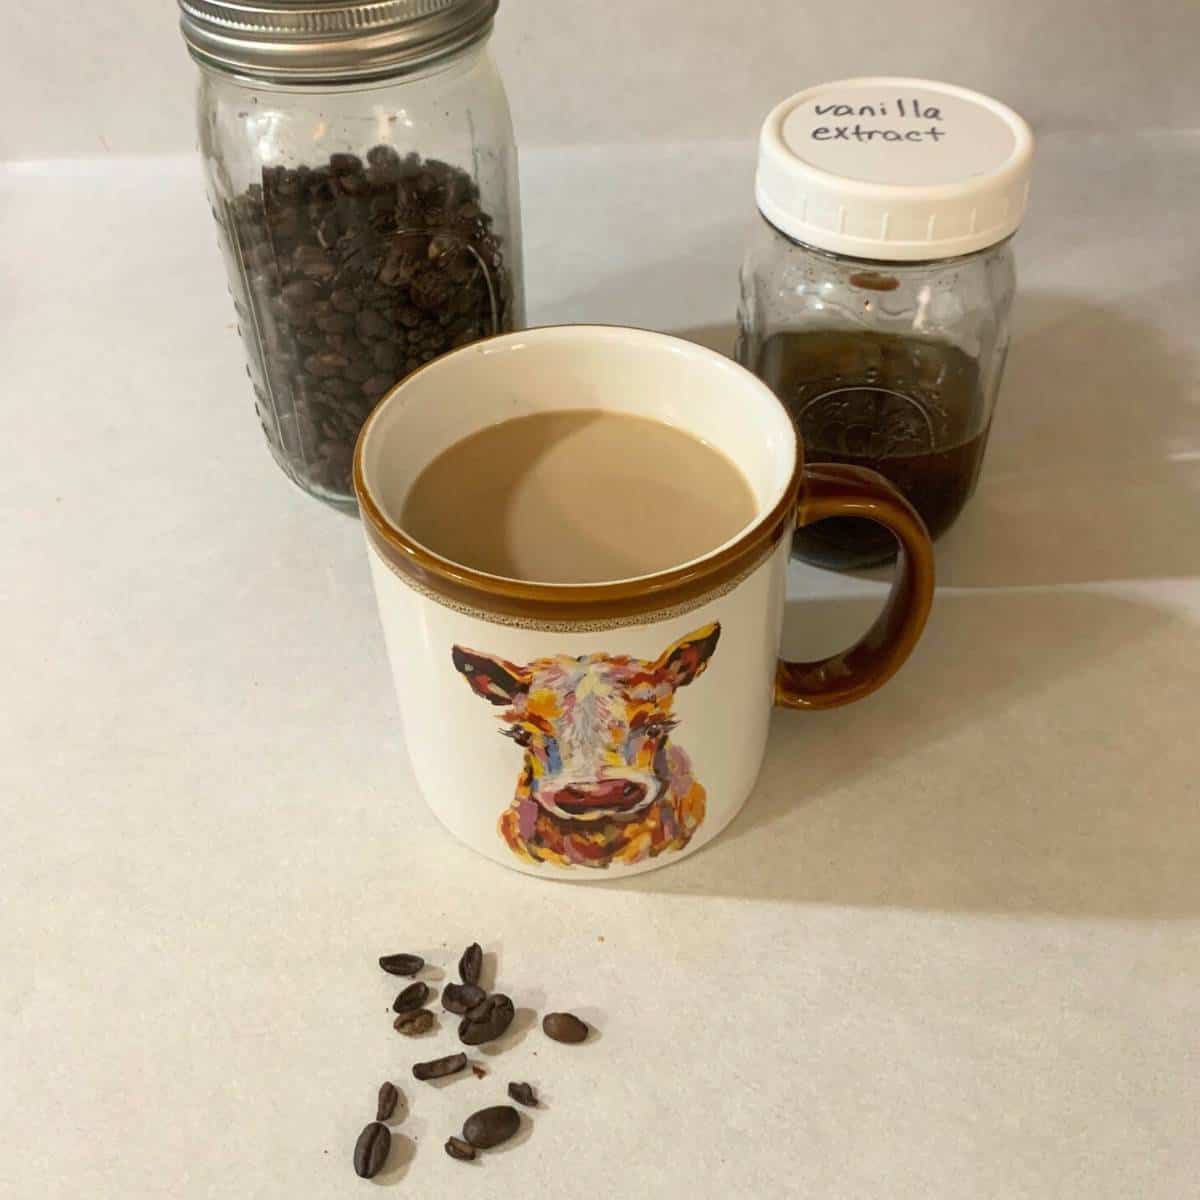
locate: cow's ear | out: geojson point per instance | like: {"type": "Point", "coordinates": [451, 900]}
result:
{"type": "Point", "coordinates": [689, 656]}
{"type": "Point", "coordinates": [497, 681]}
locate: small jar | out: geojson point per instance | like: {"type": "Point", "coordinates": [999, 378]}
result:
{"type": "Point", "coordinates": [876, 288]}
{"type": "Point", "coordinates": [363, 176]}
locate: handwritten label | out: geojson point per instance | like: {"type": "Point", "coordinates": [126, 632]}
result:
{"type": "Point", "coordinates": [897, 132]}
{"type": "Point", "coordinates": [899, 109]}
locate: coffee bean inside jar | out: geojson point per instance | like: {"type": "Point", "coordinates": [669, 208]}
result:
{"type": "Point", "coordinates": [363, 174]}
{"type": "Point", "coordinates": [358, 273]}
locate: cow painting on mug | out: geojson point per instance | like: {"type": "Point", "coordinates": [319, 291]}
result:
{"type": "Point", "coordinates": [601, 782]}
{"type": "Point", "coordinates": [581, 656]}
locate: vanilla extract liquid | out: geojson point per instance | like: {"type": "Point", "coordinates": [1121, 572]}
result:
{"type": "Point", "coordinates": [910, 409]}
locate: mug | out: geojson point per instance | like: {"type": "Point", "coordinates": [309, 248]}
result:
{"type": "Point", "coordinates": [634, 712]}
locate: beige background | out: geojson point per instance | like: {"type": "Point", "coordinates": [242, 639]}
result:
{"type": "Point", "coordinates": [117, 79]}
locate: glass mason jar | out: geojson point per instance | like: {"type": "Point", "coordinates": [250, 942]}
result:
{"type": "Point", "coordinates": [875, 301]}
{"type": "Point", "coordinates": [363, 175]}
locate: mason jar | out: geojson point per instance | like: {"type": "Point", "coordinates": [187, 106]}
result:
{"type": "Point", "coordinates": [362, 172]}
{"type": "Point", "coordinates": [877, 285]}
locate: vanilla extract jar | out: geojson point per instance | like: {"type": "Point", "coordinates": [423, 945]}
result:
{"type": "Point", "coordinates": [877, 285]}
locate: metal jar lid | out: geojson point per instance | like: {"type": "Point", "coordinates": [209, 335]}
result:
{"type": "Point", "coordinates": [329, 41]}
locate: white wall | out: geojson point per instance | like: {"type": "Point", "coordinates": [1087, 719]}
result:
{"type": "Point", "coordinates": [116, 79]}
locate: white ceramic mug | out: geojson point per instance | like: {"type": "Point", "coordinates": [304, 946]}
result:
{"type": "Point", "coordinates": [635, 711]}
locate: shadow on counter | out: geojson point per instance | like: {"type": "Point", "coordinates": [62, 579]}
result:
{"type": "Point", "coordinates": [1005, 769]}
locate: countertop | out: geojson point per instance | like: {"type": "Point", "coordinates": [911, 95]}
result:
{"type": "Point", "coordinates": [950, 949]}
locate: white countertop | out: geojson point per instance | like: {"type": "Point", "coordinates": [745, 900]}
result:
{"type": "Point", "coordinates": [950, 949]}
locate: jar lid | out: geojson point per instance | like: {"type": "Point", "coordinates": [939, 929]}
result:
{"type": "Point", "coordinates": [329, 41]}
{"type": "Point", "coordinates": [894, 169]}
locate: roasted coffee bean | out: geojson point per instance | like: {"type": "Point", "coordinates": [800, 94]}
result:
{"type": "Point", "coordinates": [383, 156]}
{"type": "Point", "coordinates": [385, 358]}
{"type": "Point", "coordinates": [313, 262]}
{"type": "Point", "coordinates": [402, 964]}
{"type": "Point", "coordinates": [323, 364]}
{"type": "Point", "coordinates": [457, 1148]}
{"type": "Point", "coordinates": [490, 1126]}
{"type": "Point", "coordinates": [522, 1093]}
{"type": "Point", "coordinates": [356, 184]}
{"type": "Point", "coordinates": [388, 1095]}
{"type": "Point", "coordinates": [342, 259]}
{"type": "Point", "coordinates": [359, 371]}
{"type": "Point", "coordinates": [415, 1022]}
{"type": "Point", "coordinates": [371, 325]}
{"type": "Point", "coordinates": [439, 1068]}
{"type": "Point", "coordinates": [336, 323]}
{"type": "Point", "coordinates": [351, 347]}
{"type": "Point", "coordinates": [343, 300]}
{"type": "Point", "coordinates": [564, 1027]}
{"type": "Point", "coordinates": [300, 292]}
{"type": "Point", "coordinates": [486, 1021]}
{"type": "Point", "coordinates": [465, 338]}
{"type": "Point", "coordinates": [459, 997]}
{"type": "Point", "coordinates": [376, 385]}
{"type": "Point", "coordinates": [339, 389]}
{"type": "Point", "coordinates": [430, 290]}
{"type": "Point", "coordinates": [412, 997]}
{"type": "Point", "coordinates": [381, 207]}
{"type": "Point", "coordinates": [328, 230]}
{"type": "Point", "coordinates": [371, 1150]}
{"type": "Point", "coordinates": [470, 964]}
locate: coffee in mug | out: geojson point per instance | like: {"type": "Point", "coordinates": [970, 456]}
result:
{"type": "Point", "coordinates": [577, 496]}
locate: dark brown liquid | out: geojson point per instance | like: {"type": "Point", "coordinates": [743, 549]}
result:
{"type": "Point", "coordinates": [910, 409]}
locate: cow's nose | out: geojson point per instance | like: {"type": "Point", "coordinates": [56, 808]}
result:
{"type": "Point", "coordinates": [614, 794]}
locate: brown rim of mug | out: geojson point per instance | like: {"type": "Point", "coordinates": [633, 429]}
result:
{"type": "Point", "coordinates": [567, 602]}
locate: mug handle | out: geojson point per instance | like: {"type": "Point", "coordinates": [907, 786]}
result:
{"type": "Point", "coordinates": [837, 490]}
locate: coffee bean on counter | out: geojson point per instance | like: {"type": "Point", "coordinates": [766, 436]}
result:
{"type": "Point", "coordinates": [414, 1023]}
{"type": "Point", "coordinates": [457, 1148]}
{"type": "Point", "coordinates": [371, 1150]}
{"type": "Point", "coordinates": [458, 997]}
{"type": "Point", "coordinates": [402, 964]}
{"type": "Point", "coordinates": [413, 996]}
{"type": "Point", "coordinates": [564, 1027]}
{"type": "Point", "coordinates": [439, 1068]}
{"type": "Point", "coordinates": [486, 1021]}
{"type": "Point", "coordinates": [523, 1093]}
{"type": "Point", "coordinates": [491, 1126]}
{"type": "Point", "coordinates": [389, 1094]}
{"type": "Point", "coordinates": [470, 964]}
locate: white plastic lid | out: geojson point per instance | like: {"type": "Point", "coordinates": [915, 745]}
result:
{"type": "Point", "coordinates": [894, 169]}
